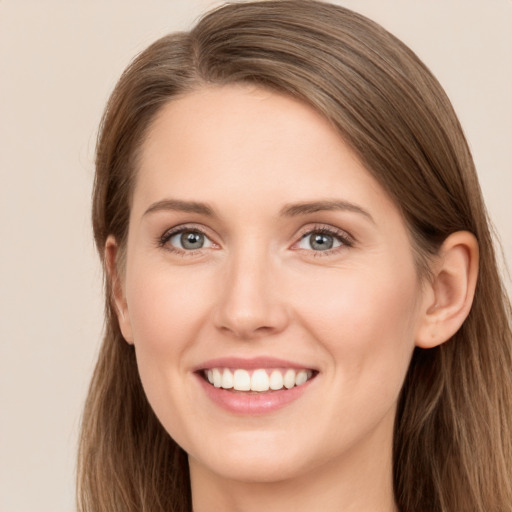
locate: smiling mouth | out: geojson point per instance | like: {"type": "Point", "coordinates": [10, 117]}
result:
{"type": "Point", "coordinates": [258, 380]}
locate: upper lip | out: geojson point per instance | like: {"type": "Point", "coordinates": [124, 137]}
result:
{"type": "Point", "coordinates": [251, 363]}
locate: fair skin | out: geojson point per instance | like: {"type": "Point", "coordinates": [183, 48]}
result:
{"type": "Point", "coordinates": [256, 233]}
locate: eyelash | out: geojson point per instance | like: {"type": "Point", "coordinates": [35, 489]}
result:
{"type": "Point", "coordinates": [164, 239]}
{"type": "Point", "coordinates": [344, 238]}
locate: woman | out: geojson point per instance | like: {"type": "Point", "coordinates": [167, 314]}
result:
{"type": "Point", "coordinates": [303, 303]}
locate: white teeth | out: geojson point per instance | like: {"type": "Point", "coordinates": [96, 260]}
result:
{"type": "Point", "coordinates": [227, 379]}
{"type": "Point", "coordinates": [260, 380]}
{"type": "Point", "coordinates": [289, 379]}
{"type": "Point", "coordinates": [276, 380]}
{"type": "Point", "coordinates": [217, 378]}
{"type": "Point", "coordinates": [241, 380]}
{"type": "Point", "coordinates": [302, 376]}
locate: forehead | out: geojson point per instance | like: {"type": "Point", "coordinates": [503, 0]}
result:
{"type": "Point", "coordinates": [242, 144]}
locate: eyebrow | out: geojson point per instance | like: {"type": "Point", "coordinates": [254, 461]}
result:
{"type": "Point", "coordinates": [292, 210]}
{"type": "Point", "coordinates": [180, 206]}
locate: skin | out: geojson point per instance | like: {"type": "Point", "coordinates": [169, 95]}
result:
{"type": "Point", "coordinates": [259, 288]}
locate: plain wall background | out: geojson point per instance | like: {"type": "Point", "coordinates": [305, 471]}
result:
{"type": "Point", "coordinates": [59, 60]}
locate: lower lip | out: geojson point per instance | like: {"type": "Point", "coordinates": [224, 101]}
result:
{"type": "Point", "coordinates": [252, 403]}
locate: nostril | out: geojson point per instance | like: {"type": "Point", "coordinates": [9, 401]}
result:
{"type": "Point", "coordinates": [250, 321]}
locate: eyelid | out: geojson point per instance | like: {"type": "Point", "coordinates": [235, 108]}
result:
{"type": "Point", "coordinates": [347, 240]}
{"type": "Point", "coordinates": [162, 241]}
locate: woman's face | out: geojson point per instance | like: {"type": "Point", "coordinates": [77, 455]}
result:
{"type": "Point", "coordinates": [262, 253]}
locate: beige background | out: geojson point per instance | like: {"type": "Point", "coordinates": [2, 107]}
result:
{"type": "Point", "coordinates": [58, 62]}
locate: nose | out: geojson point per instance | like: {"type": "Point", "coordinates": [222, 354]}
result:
{"type": "Point", "coordinates": [251, 303]}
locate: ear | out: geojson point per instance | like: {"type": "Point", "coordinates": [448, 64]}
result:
{"type": "Point", "coordinates": [449, 295]}
{"type": "Point", "coordinates": [116, 286]}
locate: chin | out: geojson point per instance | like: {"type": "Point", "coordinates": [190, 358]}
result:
{"type": "Point", "coordinates": [255, 459]}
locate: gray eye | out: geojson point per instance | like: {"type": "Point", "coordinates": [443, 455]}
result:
{"type": "Point", "coordinates": [321, 242]}
{"type": "Point", "coordinates": [192, 240]}
{"type": "Point", "coordinates": [189, 240]}
{"type": "Point", "coordinates": [317, 241]}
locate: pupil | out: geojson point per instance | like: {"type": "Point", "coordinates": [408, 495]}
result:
{"type": "Point", "coordinates": [322, 242]}
{"type": "Point", "coordinates": [192, 240]}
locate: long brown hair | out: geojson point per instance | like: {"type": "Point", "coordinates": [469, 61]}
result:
{"type": "Point", "coordinates": [453, 432]}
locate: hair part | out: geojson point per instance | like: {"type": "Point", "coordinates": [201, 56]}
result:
{"type": "Point", "coordinates": [453, 432]}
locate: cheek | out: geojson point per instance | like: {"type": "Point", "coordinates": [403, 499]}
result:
{"type": "Point", "coordinates": [166, 312]}
{"type": "Point", "coordinates": [366, 321]}
{"type": "Point", "coordinates": [165, 307]}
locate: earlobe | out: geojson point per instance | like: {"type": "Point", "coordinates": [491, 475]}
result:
{"type": "Point", "coordinates": [450, 293]}
{"type": "Point", "coordinates": [117, 292]}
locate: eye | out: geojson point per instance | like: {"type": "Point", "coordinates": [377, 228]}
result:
{"type": "Point", "coordinates": [320, 240]}
{"type": "Point", "coordinates": [187, 240]}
